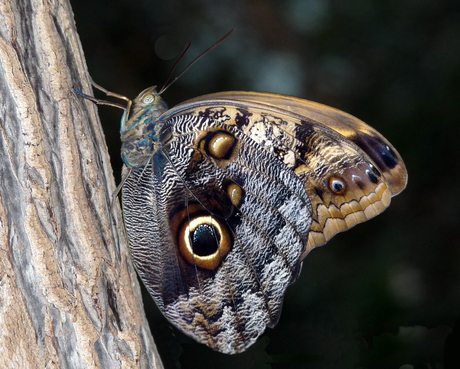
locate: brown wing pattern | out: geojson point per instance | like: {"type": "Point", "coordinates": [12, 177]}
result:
{"type": "Point", "coordinates": [367, 138]}
{"type": "Point", "coordinates": [349, 170]}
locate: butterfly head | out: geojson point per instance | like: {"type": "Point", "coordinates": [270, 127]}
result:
{"type": "Point", "coordinates": [149, 101]}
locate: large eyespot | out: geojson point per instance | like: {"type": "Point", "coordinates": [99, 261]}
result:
{"type": "Point", "coordinates": [337, 185]}
{"type": "Point", "coordinates": [148, 99]}
{"type": "Point", "coordinates": [204, 241]}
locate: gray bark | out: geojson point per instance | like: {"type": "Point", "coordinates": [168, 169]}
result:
{"type": "Point", "coordinates": [69, 296]}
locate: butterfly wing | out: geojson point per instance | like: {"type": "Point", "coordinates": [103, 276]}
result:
{"type": "Point", "coordinates": [375, 145]}
{"type": "Point", "coordinates": [217, 228]}
{"type": "Point", "coordinates": [349, 170]}
{"type": "Point", "coordinates": [367, 138]}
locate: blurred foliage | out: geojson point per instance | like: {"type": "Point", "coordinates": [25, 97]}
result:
{"type": "Point", "coordinates": [385, 294]}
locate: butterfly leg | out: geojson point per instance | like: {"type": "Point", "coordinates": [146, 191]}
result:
{"type": "Point", "coordinates": [126, 108]}
{"type": "Point", "coordinates": [102, 102]}
{"type": "Point", "coordinates": [108, 93]}
{"type": "Point", "coordinates": [126, 174]}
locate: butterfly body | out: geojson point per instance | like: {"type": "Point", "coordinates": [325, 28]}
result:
{"type": "Point", "coordinates": [227, 193]}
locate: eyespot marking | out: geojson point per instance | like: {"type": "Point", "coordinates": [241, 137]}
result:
{"type": "Point", "coordinates": [204, 241]}
{"type": "Point", "coordinates": [388, 156]}
{"type": "Point", "coordinates": [337, 185]}
{"type": "Point", "coordinates": [235, 193]}
{"type": "Point", "coordinates": [221, 145]}
{"type": "Point", "coordinates": [375, 170]}
{"type": "Point", "coordinates": [372, 177]}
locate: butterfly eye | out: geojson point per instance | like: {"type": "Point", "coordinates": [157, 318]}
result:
{"type": "Point", "coordinates": [148, 99]}
{"type": "Point", "coordinates": [337, 185]}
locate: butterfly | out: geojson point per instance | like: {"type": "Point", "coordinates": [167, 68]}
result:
{"type": "Point", "coordinates": [224, 195]}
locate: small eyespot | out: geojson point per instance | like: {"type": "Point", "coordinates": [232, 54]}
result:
{"type": "Point", "coordinates": [337, 185]}
{"type": "Point", "coordinates": [372, 177]}
{"type": "Point", "coordinates": [148, 99]}
{"type": "Point", "coordinates": [388, 156]}
{"type": "Point", "coordinates": [235, 193]}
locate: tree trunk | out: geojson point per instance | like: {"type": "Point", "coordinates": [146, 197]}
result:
{"type": "Point", "coordinates": [69, 296]}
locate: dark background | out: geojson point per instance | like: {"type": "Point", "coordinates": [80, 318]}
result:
{"type": "Point", "coordinates": [385, 294]}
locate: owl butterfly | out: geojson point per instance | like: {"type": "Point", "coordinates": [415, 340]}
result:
{"type": "Point", "coordinates": [224, 195]}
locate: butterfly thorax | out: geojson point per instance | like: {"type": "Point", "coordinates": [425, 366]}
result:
{"type": "Point", "coordinates": [140, 127]}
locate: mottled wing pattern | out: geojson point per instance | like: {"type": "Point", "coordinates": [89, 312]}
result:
{"type": "Point", "coordinates": [217, 227]}
{"type": "Point", "coordinates": [367, 138]}
{"type": "Point", "coordinates": [348, 169]}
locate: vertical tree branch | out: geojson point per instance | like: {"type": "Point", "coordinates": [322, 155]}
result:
{"type": "Point", "coordinates": [69, 296]}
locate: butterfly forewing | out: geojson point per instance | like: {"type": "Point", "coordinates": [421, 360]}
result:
{"type": "Point", "coordinates": [321, 156]}
{"type": "Point", "coordinates": [367, 138]}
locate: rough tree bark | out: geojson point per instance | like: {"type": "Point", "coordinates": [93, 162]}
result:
{"type": "Point", "coordinates": [69, 297]}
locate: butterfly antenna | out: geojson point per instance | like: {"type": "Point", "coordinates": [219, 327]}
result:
{"type": "Point", "coordinates": [174, 67]}
{"type": "Point", "coordinates": [166, 86]}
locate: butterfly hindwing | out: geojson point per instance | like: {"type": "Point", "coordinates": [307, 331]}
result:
{"type": "Point", "coordinates": [217, 228]}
